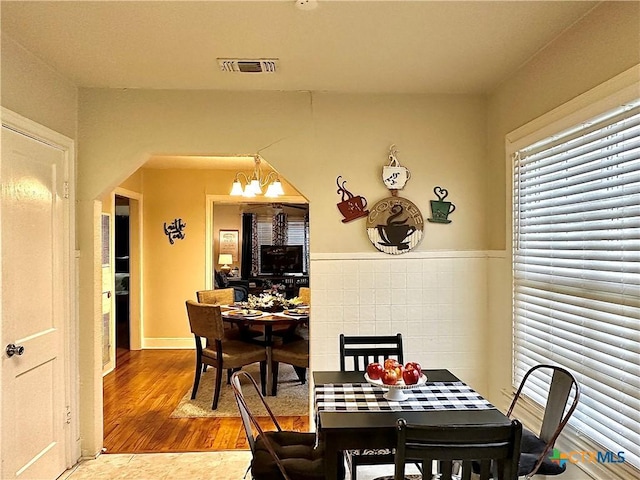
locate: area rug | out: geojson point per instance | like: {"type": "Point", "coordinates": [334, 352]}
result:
{"type": "Point", "coordinates": [292, 398]}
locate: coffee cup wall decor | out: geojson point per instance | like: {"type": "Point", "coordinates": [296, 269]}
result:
{"type": "Point", "coordinates": [440, 209]}
{"type": "Point", "coordinates": [394, 175]}
{"type": "Point", "coordinates": [352, 206]}
{"type": "Point", "coordinates": [395, 225]}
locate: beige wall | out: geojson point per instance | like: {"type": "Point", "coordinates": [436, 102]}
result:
{"type": "Point", "coordinates": [601, 46]}
{"type": "Point", "coordinates": [36, 91]}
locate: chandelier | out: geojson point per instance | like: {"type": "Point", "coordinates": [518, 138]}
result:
{"type": "Point", "coordinates": [255, 182]}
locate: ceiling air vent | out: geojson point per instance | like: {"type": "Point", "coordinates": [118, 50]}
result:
{"type": "Point", "coordinates": [262, 65]}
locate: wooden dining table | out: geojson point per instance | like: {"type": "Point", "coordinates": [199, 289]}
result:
{"type": "Point", "coordinates": [353, 414]}
{"type": "Point", "coordinates": [267, 321]}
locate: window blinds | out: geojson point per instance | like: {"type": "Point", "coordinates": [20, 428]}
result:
{"type": "Point", "coordinates": [576, 270]}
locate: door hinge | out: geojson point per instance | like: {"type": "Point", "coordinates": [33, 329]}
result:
{"type": "Point", "coordinates": [68, 416]}
{"type": "Point", "coordinates": [65, 190]}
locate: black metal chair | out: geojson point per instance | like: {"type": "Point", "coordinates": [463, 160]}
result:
{"type": "Point", "coordinates": [356, 352]}
{"type": "Point", "coordinates": [495, 448]}
{"type": "Point", "coordinates": [563, 393]}
{"type": "Point", "coordinates": [277, 454]}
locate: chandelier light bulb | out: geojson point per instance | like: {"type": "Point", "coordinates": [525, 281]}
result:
{"type": "Point", "coordinates": [236, 189]}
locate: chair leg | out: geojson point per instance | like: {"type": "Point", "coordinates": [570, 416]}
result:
{"type": "Point", "coordinates": [274, 370]}
{"type": "Point", "coordinates": [216, 394]}
{"type": "Point", "coordinates": [196, 380]}
{"type": "Point", "coordinates": [302, 374]}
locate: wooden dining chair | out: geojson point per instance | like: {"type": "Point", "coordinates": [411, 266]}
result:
{"type": "Point", "coordinates": [277, 454]}
{"type": "Point", "coordinates": [294, 353]}
{"type": "Point", "coordinates": [304, 294]}
{"type": "Point", "coordinates": [562, 395]}
{"type": "Point", "coordinates": [493, 449]}
{"type": "Point", "coordinates": [221, 353]}
{"type": "Point", "coordinates": [225, 296]}
{"type": "Point", "coordinates": [356, 352]}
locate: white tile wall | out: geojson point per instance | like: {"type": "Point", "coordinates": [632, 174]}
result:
{"type": "Point", "coordinates": [437, 300]}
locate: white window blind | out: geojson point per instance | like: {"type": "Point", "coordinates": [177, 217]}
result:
{"type": "Point", "coordinates": [576, 270]}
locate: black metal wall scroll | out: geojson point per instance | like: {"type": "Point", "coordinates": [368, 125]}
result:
{"type": "Point", "coordinates": [175, 230]}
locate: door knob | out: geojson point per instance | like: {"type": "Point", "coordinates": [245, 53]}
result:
{"type": "Point", "coordinates": [14, 349]}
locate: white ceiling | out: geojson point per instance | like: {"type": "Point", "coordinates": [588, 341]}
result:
{"type": "Point", "coordinates": [347, 46]}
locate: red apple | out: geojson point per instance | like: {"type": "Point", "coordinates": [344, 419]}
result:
{"type": "Point", "coordinates": [375, 371]}
{"type": "Point", "coordinates": [390, 377]}
{"type": "Point", "coordinates": [415, 365]}
{"type": "Point", "coordinates": [390, 363]}
{"type": "Point", "coordinates": [410, 376]}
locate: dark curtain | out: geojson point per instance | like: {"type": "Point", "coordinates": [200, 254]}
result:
{"type": "Point", "coordinates": [246, 265]}
{"type": "Point", "coordinates": [279, 226]}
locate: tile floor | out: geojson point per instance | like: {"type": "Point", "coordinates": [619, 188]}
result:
{"type": "Point", "coordinates": [230, 465]}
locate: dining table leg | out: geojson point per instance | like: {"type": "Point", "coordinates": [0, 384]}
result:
{"type": "Point", "coordinates": [268, 340]}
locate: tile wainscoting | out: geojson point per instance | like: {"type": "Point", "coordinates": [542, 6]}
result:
{"type": "Point", "coordinates": [437, 300]}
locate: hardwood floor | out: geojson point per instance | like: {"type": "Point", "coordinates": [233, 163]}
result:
{"type": "Point", "coordinates": [141, 393]}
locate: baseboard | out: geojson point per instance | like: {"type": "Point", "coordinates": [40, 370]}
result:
{"type": "Point", "coordinates": [168, 343]}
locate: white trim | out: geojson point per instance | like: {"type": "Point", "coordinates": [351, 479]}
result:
{"type": "Point", "coordinates": [208, 238]}
{"type": "Point", "coordinates": [24, 126]}
{"type": "Point", "coordinates": [160, 343]}
{"type": "Point", "coordinates": [410, 255]}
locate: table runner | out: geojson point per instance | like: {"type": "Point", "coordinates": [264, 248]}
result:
{"type": "Point", "coordinates": [431, 396]}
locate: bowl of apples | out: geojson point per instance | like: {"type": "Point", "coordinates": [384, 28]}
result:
{"type": "Point", "coordinates": [395, 377]}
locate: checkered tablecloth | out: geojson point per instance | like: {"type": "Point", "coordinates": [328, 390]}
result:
{"type": "Point", "coordinates": [348, 397]}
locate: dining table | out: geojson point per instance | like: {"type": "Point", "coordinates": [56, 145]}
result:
{"type": "Point", "coordinates": [353, 413]}
{"type": "Point", "coordinates": [267, 320]}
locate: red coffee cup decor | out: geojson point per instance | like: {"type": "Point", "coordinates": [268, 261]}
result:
{"type": "Point", "coordinates": [352, 206]}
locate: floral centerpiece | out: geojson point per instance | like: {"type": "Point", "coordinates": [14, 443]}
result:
{"type": "Point", "coordinates": [268, 302]}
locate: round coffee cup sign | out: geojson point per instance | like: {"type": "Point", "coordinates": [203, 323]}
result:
{"type": "Point", "coordinates": [395, 225]}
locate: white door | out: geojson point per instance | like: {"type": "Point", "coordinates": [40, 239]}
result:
{"type": "Point", "coordinates": [32, 290]}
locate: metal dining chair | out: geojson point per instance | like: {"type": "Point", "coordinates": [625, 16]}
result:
{"type": "Point", "coordinates": [563, 393]}
{"type": "Point", "coordinates": [277, 454]}
{"type": "Point", "coordinates": [494, 449]}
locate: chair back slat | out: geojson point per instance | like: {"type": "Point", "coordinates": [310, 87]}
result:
{"type": "Point", "coordinates": [205, 320]}
{"type": "Point", "coordinates": [219, 296]}
{"type": "Point", "coordinates": [561, 385]}
{"type": "Point", "coordinates": [495, 448]}
{"type": "Point", "coordinates": [362, 350]}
